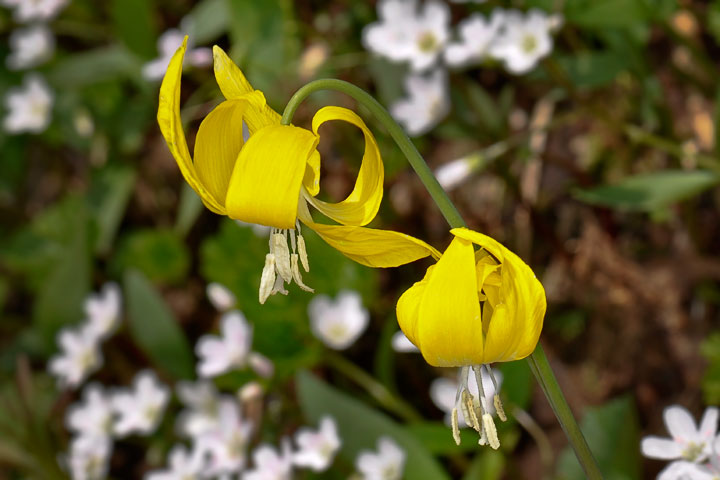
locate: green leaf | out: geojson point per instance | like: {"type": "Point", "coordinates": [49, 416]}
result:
{"type": "Point", "coordinates": [710, 349]}
{"type": "Point", "coordinates": [517, 383]}
{"type": "Point", "coordinates": [189, 210]}
{"type": "Point", "coordinates": [594, 68]}
{"type": "Point", "coordinates": [591, 14]}
{"type": "Point", "coordinates": [209, 20]}
{"type": "Point", "coordinates": [107, 199]}
{"type": "Point", "coordinates": [154, 328]}
{"type": "Point", "coordinates": [612, 432]}
{"type": "Point", "coordinates": [487, 465]}
{"type": "Point", "coordinates": [651, 191]}
{"type": "Point", "coordinates": [360, 427]}
{"type": "Point", "coordinates": [95, 66]}
{"type": "Point", "coordinates": [133, 21]}
{"type": "Point", "coordinates": [160, 254]}
{"type": "Point", "coordinates": [437, 438]}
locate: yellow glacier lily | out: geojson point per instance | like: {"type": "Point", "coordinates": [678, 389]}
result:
{"type": "Point", "coordinates": [471, 309]}
{"type": "Point", "coordinates": [274, 176]}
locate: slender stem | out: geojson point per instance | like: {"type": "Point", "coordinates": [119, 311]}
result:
{"type": "Point", "coordinates": [538, 361]}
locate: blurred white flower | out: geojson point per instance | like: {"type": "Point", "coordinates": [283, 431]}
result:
{"type": "Point", "coordinates": [454, 172]}
{"type": "Point", "coordinates": [26, 10]}
{"type": "Point", "coordinates": [80, 356]}
{"type": "Point", "coordinates": [30, 47]}
{"type": "Point", "coordinates": [230, 351]}
{"type": "Point", "coordinates": [387, 464]}
{"type": "Point", "coordinates": [271, 464]}
{"type": "Point", "coordinates": [684, 470]}
{"type": "Point", "coordinates": [167, 44]}
{"type": "Point", "coordinates": [220, 296]}
{"type": "Point", "coordinates": [427, 103]}
{"type": "Point", "coordinates": [443, 393]}
{"type": "Point", "coordinates": [262, 231]}
{"type": "Point", "coordinates": [202, 402]}
{"type": "Point", "coordinates": [406, 33]}
{"type": "Point", "coordinates": [182, 465]}
{"type": "Point", "coordinates": [89, 457]}
{"type": "Point", "coordinates": [140, 410]}
{"type": "Point", "coordinates": [523, 40]}
{"type": "Point", "coordinates": [476, 35]}
{"type": "Point", "coordinates": [93, 416]}
{"type": "Point", "coordinates": [226, 445]}
{"type": "Point", "coordinates": [316, 449]}
{"type": "Point", "coordinates": [468, 1]}
{"type": "Point", "coordinates": [29, 107]}
{"type": "Point", "coordinates": [687, 442]}
{"type": "Point", "coordinates": [340, 322]}
{"type": "Point", "coordinates": [401, 343]}
{"type": "Point", "coordinates": [103, 310]}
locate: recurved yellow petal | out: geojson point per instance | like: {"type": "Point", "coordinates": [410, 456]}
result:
{"type": "Point", "coordinates": [408, 309]}
{"type": "Point", "coordinates": [171, 127]}
{"type": "Point", "coordinates": [361, 206]}
{"type": "Point", "coordinates": [265, 183]}
{"type": "Point", "coordinates": [449, 330]}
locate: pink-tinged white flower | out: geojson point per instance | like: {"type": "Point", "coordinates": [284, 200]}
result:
{"type": "Point", "coordinates": [226, 445]}
{"type": "Point", "coordinates": [89, 457]}
{"type": "Point", "coordinates": [27, 10]}
{"type": "Point", "coordinates": [167, 44]}
{"type": "Point", "coordinates": [231, 350]}
{"type": "Point", "coordinates": [340, 322]}
{"type": "Point", "coordinates": [405, 32]}
{"type": "Point", "coordinates": [454, 172]}
{"type": "Point", "coordinates": [29, 106]}
{"type": "Point", "coordinates": [80, 356]}
{"type": "Point", "coordinates": [30, 47]}
{"type": "Point", "coordinates": [220, 296]}
{"type": "Point", "coordinates": [476, 35]}
{"type": "Point", "coordinates": [387, 464]}
{"type": "Point", "coordinates": [443, 393]}
{"type": "Point", "coordinates": [402, 344]}
{"type": "Point", "coordinates": [687, 441]}
{"type": "Point", "coordinates": [93, 416]}
{"type": "Point", "coordinates": [523, 40]}
{"type": "Point", "coordinates": [140, 409]}
{"type": "Point", "coordinates": [317, 448]}
{"type": "Point", "coordinates": [202, 406]}
{"type": "Point", "coordinates": [103, 310]}
{"type": "Point", "coordinates": [182, 465]}
{"type": "Point", "coordinates": [427, 103]}
{"type": "Point", "coordinates": [271, 464]}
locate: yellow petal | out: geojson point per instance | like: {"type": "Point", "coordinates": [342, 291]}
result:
{"type": "Point", "coordinates": [361, 206]}
{"type": "Point", "coordinates": [171, 127]}
{"type": "Point", "coordinates": [369, 246]}
{"type": "Point", "coordinates": [516, 323]}
{"type": "Point", "coordinates": [233, 85]}
{"type": "Point", "coordinates": [311, 181]}
{"type": "Point", "coordinates": [449, 330]}
{"type": "Point", "coordinates": [408, 309]}
{"type": "Point", "coordinates": [265, 183]}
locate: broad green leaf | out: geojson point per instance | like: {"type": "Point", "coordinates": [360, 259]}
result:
{"type": "Point", "coordinates": [651, 191]}
{"type": "Point", "coordinates": [591, 14]}
{"type": "Point", "coordinates": [487, 465]}
{"type": "Point", "coordinates": [612, 432]}
{"type": "Point", "coordinates": [592, 69]}
{"type": "Point", "coordinates": [437, 438]}
{"type": "Point", "coordinates": [107, 199]}
{"type": "Point", "coordinates": [189, 210]}
{"type": "Point", "coordinates": [95, 66]}
{"type": "Point", "coordinates": [160, 254]}
{"type": "Point", "coordinates": [154, 328]}
{"type": "Point", "coordinates": [516, 388]}
{"type": "Point", "coordinates": [133, 21]}
{"type": "Point", "coordinates": [360, 426]}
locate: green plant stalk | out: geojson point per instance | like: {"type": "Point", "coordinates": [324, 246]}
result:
{"type": "Point", "coordinates": [538, 361]}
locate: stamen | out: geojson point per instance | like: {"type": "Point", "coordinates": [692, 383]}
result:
{"type": "Point", "coordinates": [469, 410]}
{"type": "Point", "coordinates": [455, 427]}
{"type": "Point", "coordinates": [282, 256]}
{"type": "Point", "coordinates": [292, 240]}
{"type": "Point", "coordinates": [496, 399]}
{"type": "Point", "coordinates": [279, 287]}
{"type": "Point", "coordinates": [303, 252]}
{"type": "Point", "coordinates": [489, 428]}
{"type": "Point", "coordinates": [481, 389]}
{"type": "Point", "coordinates": [296, 273]}
{"type": "Point", "coordinates": [267, 279]}
{"type": "Point", "coordinates": [483, 438]}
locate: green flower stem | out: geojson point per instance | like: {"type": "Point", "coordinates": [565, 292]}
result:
{"type": "Point", "coordinates": [538, 361]}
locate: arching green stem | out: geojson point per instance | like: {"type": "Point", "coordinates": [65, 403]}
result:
{"type": "Point", "coordinates": [538, 361]}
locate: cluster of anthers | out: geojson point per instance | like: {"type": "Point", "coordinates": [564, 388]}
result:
{"type": "Point", "coordinates": [475, 409]}
{"type": "Point", "coordinates": [281, 266]}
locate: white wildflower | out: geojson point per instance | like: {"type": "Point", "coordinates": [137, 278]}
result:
{"type": "Point", "coordinates": [103, 310]}
{"type": "Point", "coordinates": [167, 44]}
{"type": "Point", "coordinates": [29, 107]}
{"type": "Point", "coordinates": [271, 464]}
{"type": "Point", "coordinates": [340, 322]}
{"type": "Point", "coordinates": [220, 297]}
{"type": "Point", "coordinates": [140, 410]}
{"type": "Point", "coordinates": [387, 464]}
{"type": "Point", "coordinates": [202, 402]}
{"type": "Point", "coordinates": [182, 465]}
{"type": "Point", "coordinates": [454, 172]}
{"type": "Point", "coordinates": [402, 344]}
{"type": "Point", "coordinates": [687, 442]}
{"type": "Point", "coordinates": [427, 103]}
{"type": "Point", "coordinates": [27, 10]}
{"type": "Point", "coordinates": [89, 457]}
{"type": "Point", "coordinates": [523, 40]}
{"type": "Point", "coordinates": [93, 416]}
{"type": "Point", "coordinates": [476, 35]}
{"type": "Point", "coordinates": [316, 449]}
{"type": "Point", "coordinates": [226, 445]}
{"type": "Point", "coordinates": [80, 356]}
{"type": "Point", "coordinates": [30, 47]}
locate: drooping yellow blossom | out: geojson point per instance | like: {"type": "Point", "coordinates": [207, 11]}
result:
{"type": "Point", "coordinates": [471, 309]}
{"type": "Point", "coordinates": [272, 177]}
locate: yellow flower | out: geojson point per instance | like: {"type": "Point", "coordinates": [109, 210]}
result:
{"type": "Point", "coordinates": [272, 177]}
{"type": "Point", "coordinates": [471, 309]}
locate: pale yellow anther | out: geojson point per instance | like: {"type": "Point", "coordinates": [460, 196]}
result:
{"type": "Point", "coordinates": [499, 408]}
{"type": "Point", "coordinates": [296, 273]}
{"type": "Point", "coordinates": [455, 427]}
{"type": "Point", "coordinates": [279, 287]}
{"type": "Point", "coordinates": [303, 253]}
{"type": "Point", "coordinates": [489, 428]}
{"type": "Point", "coordinates": [483, 438]}
{"type": "Point", "coordinates": [469, 410]}
{"type": "Point", "coordinates": [282, 256]}
{"type": "Point", "coordinates": [267, 279]}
